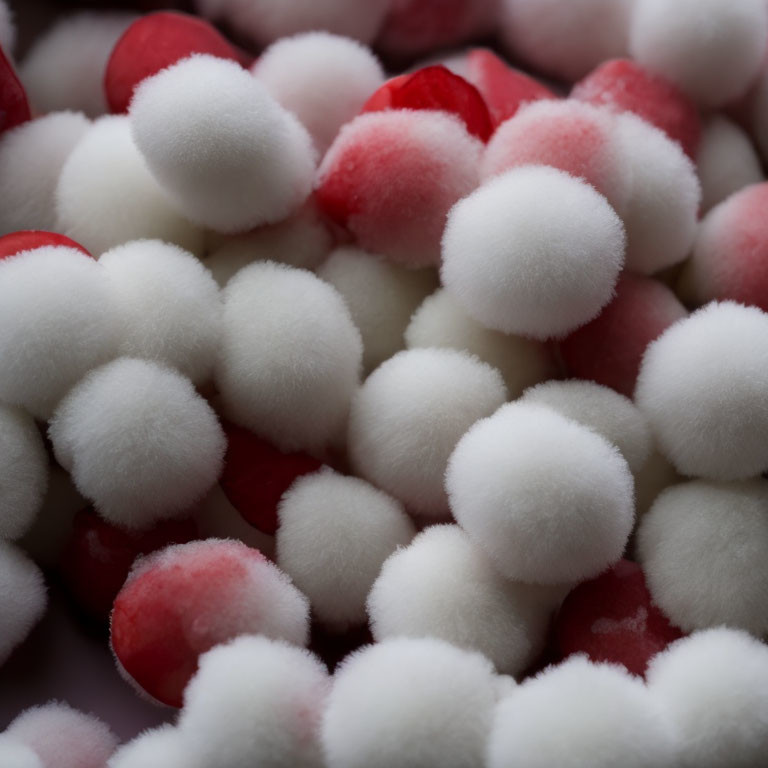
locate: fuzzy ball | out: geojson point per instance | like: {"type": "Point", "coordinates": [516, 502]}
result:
{"type": "Point", "coordinates": [13, 97]}
{"type": "Point", "coordinates": [290, 357]}
{"type": "Point", "coordinates": [409, 702]}
{"type": "Point", "coordinates": [442, 586]}
{"type": "Point", "coordinates": [712, 50]}
{"type": "Point", "coordinates": [381, 298]}
{"type": "Point", "coordinates": [23, 598]}
{"type": "Point", "coordinates": [31, 158]}
{"type": "Point", "coordinates": [180, 602]}
{"type": "Point", "coordinates": [15, 755]}
{"type": "Point", "coordinates": [63, 737]}
{"type": "Point", "coordinates": [228, 155]}
{"type": "Point", "coordinates": [565, 38]}
{"type": "Point", "coordinates": [687, 543]}
{"type": "Point", "coordinates": [64, 69]}
{"type": "Point", "coordinates": [303, 74]}
{"type": "Point", "coordinates": [726, 162]}
{"type": "Point", "coordinates": [170, 305]}
{"type": "Point", "coordinates": [57, 321]}
{"type": "Point", "coordinates": [608, 413]}
{"type": "Point", "coordinates": [713, 688]}
{"type": "Point", "coordinates": [708, 417]}
{"type": "Point", "coordinates": [391, 177]}
{"type": "Point", "coordinates": [23, 472]}
{"type": "Point", "coordinates": [256, 701]}
{"type": "Point", "coordinates": [139, 441]}
{"type": "Point", "coordinates": [159, 748]}
{"type": "Point", "coordinates": [408, 416]}
{"type": "Point", "coordinates": [335, 533]}
{"type": "Point", "coordinates": [441, 321]}
{"type": "Point", "coordinates": [550, 500]}
{"type": "Point", "coordinates": [557, 235]}
{"type": "Point", "coordinates": [106, 196]}
{"type": "Point", "coordinates": [581, 714]}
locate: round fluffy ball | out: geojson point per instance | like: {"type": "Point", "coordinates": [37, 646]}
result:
{"type": "Point", "coordinates": [581, 714]}
{"type": "Point", "coordinates": [409, 414]}
{"type": "Point", "coordinates": [549, 499]}
{"type": "Point", "coordinates": [687, 545]}
{"type": "Point", "coordinates": [159, 748]}
{"type": "Point", "coordinates": [170, 305]}
{"type": "Point", "coordinates": [228, 155]}
{"type": "Point", "coordinates": [31, 158]}
{"type": "Point", "coordinates": [290, 357]}
{"type": "Point", "coordinates": [15, 755]}
{"type": "Point", "coordinates": [23, 472]}
{"type": "Point", "coordinates": [608, 413]}
{"type": "Point", "coordinates": [410, 703]}
{"type": "Point", "coordinates": [255, 701]}
{"type": "Point", "coordinates": [442, 586]}
{"type": "Point", "coordinates": [106, 196]}
{"type": "Point", "coordinates": [713, 688]}
{"type": "Point", "coordinates": [381, 298]}
{"type": "Point", "coordinates": [63, 737]}
{"type": "Point", "coordinates": [335, 533]}
{"type": "Point", "coordinates": [708, 418]}
{"type": "Point", "coordinates": [711, 49]}
{"type": "Point", "coordinates": [139, 442]}
{"type": "Point", "coordinates": [441, 321]}
{"type": "Point", "coordinates": [303, 74]}
{"type": "Point", "coordinates": [57, 321]}
{"type": "Point", "coordinates": [560, 239]}
{"type": "Point", "coordinates": [22, 597]}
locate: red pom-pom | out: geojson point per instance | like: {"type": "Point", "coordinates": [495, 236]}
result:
{"type": "Point", "coordinates": [14, 107]}
{"type": "Point", "coordinates": [29, 239]}
{"type": "Point", "coordinates": [611, 618]}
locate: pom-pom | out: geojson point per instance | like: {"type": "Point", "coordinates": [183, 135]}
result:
{"type": "Point", "coordinates": [687, 543]}
{"type": "Point", "coordinates": [408, 416]}
{"type": "Point", "coordinates": [409, 702]}
{"type": "Point", "coordinates": [290, 357]}
{"type": "Point", "coordinates": [335, 533]}
{"type": "Point", "coordinates": [708, 417]}
{"type": "Point", "coordinates": [159, 748]}
{"type": "Point", "coordinates": [550, 500]}
{"type": "Point", "coordinates": [15, 755]}
{"type": "Point", "coordinates": [228, 155]}
{"type": "Point", "coordinates": [140, 442]}
{"type": "Point", "coordinates": [558, 236]}
{"type": "Point", "coordinates": [180, 602]}
{"type": "Point", "coordinates": [31, 239]}
{"type": "Point", "coordinates": [13, 98]}
{"type": "Point", "coordinates": [391, 177]}
{"type": "Point", "coordinates": [57, 322]}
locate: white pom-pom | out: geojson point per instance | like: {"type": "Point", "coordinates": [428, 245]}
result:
{"type": "Point", "coordinates": [442, 322]}
{"type": "Point", "coordinates": [303, 74]}
{"type": "Point", "coordinates": [687, 543]}
{"type": "Point", "coordinates": [23, 472]}
{"type": "Point", "coordinates": [381, 297]}
{"type": "Point", "coordinates": [550, 500]}
{"type": "Point", "coordinates": [22, 597]}
{"type": "Point", "coordinates": [603, 410]}
{"type": "Point", "coordinates": [63, 737]}
{"type": "Point", "coordinates": [65, 67]}
{"type": "Point", "coordinates": [139, 442]}
{"type": "Point", "coordinates": [661, 210]}
{"type": "Point", "coordinates": [170, 305]}
{"type": "Point", "coordinates": [707, 416]}
{"type": "Point", "coordinates": [711, 49]}
{"type": "Point", "coordinates": [581, 714]}
{"type": "Point", "coordinates": [255, 701]}
{"type": "Point", "coordinates": [7, 29]}
{"type": "Point", "coordinates": [409, 702]}
{"type": "Point", "coordinates": [335, 533]}
{"type": "Point", "coordinates": [229, 156]}
{"type": "Point", "coordinates": [57, 322]}
{"type": "Point", "coordinates": [408, 416]}
{"type": "Point", "coordinates": [560, 239]}
{"type": "Point", "coordinates": [31, 158]}
{"type": "Point", "coordinates": [106, 195]}
{"type": "Point", "coordinates": [727, 161]}
{"type": "Point", "coordinates": [442, 586]}
{"type": "Point", "coordinates": [713, 688]}
{"type": "Point", "coordinates": [159, 748]}
{"type": "Point", "coordinates": [15, 755]}
{"type": "Point", "coordinates": [290, 357]}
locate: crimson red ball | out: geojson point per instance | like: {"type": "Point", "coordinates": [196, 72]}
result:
{"type": "Point", "coordinates": [29, 239]}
